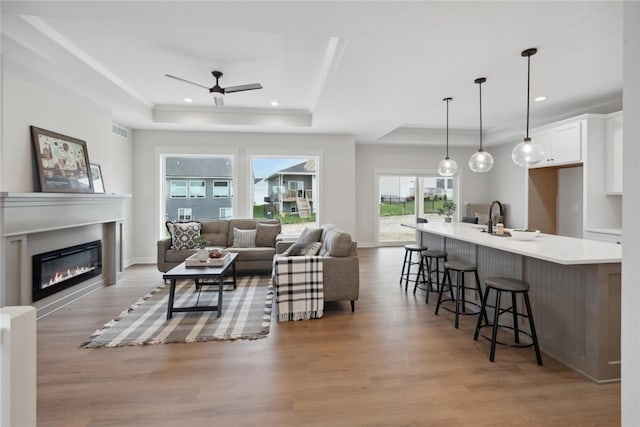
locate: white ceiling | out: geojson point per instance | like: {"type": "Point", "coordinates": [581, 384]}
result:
{"type": "Point", "coordinates": [377, 70]}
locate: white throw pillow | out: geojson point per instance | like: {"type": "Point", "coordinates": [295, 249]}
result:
{"type": "Point", "coordinates": [244, 238]}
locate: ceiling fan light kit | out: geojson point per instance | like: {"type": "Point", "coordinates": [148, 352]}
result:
{"type": "Point", "coordinates": [447, 166]}
{"type": "Point", "coordinates": [480, 161]}
{"type": "Point", "coordinates": [528, 152]}
{"type": "Point", "coordinates": [217, 91]}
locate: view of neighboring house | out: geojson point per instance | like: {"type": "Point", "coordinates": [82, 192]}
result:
{"type": "Point", "coordinates": [198, 188]}
{"type": "Point", "coordinates": [398, 188]}
{"type": "Point", "coordinates": [291, 190]}
{"type": "Point", "coordinates": [260, 191]}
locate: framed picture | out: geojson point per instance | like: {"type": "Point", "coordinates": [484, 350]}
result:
{"type": "Point", "coordinates": [62, 162]}
{"type": "Point", "coordinates": [96, 177]}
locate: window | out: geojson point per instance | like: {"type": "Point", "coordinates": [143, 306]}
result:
{"type": "Point", "coordinates": [197, 189]}
{"type": "Point", "coordinates": [178, 189]}
{"type": "Point", "coordinates": [297, 187]}
{"type": "Point", "coordinates": [405, 197]}
{"type": "Point", "coordinates": [286, 188]}
{"type": "Point", "coordinates": [221, 189]}
{"type": "Point", "coordinates": [185, 214]}
{"type": "Point", "coordinates": [226, 213]}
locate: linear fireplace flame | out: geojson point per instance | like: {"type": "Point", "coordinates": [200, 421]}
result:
{"type": "Point", "coordinates": [66, 275]}
{"type": "Point", "coordinates": [57, 270]}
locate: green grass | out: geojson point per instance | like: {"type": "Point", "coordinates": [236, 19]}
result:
{"type": "Point", "coordinates": [407, 208]}
{"type": "Point", "coordinates": [258, 212]}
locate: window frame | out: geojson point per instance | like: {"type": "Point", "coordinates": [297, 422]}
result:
{"type": "Point", "coordinates": [204, 185]}
{"type": "Point", "coordinates": [171, 188]}
{"type": "Point", "coordinates": [184, 217]}
{"type": "Point", "coordinates": [228, 187]}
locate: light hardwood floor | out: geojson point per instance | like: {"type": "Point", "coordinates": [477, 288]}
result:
{"type": "Point", "coordinates": [392, 362]}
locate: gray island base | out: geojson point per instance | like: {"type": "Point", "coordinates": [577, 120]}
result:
{"type": "Point", "coordinates": [574, 289]}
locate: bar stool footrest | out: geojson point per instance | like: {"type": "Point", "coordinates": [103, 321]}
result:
{"type": "Point", "coordinates": [515, 345]}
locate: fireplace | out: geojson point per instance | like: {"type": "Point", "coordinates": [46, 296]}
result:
{"type": "Point", "coordinates": [57, 270]}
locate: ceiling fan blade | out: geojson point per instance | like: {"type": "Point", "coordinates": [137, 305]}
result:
{"type": "Point", "coordinates": [186, 81]}
{"type": "Point", "coordinates": [252, 86]}
{"type": "Point", "coordinates": [219, 100]}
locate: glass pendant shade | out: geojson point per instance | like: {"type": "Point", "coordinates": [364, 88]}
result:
{"type": "Point", "coordinates": [481, 161]}
{"type": "Point", "coordinates": [527, 153]}
{"type": "Point", "coordinates": [447, 167]}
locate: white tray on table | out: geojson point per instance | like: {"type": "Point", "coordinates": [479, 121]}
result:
{"type": "Point", "coordinates": [192, 261]}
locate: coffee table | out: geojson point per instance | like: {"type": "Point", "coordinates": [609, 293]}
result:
{"type": "Point", "coordinates": [202, 276]}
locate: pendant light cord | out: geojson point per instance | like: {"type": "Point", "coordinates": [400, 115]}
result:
{"type": "Point", "coordinates": [447, 156]}
{"type": "Point", "coordinates": [480, 87]}
{"type": "Point", "coordinates": [447, 145]}
{"type": "Point", "coordinates": [528, 86]}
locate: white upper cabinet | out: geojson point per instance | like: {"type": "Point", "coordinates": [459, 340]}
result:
{"type": "Point", "coordinates": [613, 152]}
{"type": "Point", "coordinates": [562, 144]}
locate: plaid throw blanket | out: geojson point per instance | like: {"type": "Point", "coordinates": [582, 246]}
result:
{"type": "Point", "coordinates": [297, 283]}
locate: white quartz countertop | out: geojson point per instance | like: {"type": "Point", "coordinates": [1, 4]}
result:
{"type": "Point", "coordinates": [558, 249]}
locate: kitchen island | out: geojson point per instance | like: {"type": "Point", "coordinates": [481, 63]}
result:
{"type": "Point", "coordinates": [574, 288]}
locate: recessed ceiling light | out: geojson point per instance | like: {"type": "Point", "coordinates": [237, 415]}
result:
{"type": "Point", "coordinates": [188, 100]}
{"type": "Point", "coordinates": [540, 98]}
{"type": "Point", "coordinates": [274, 103]}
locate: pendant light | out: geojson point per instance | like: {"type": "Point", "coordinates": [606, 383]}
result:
{"type": "Point", "coordinates": [481, 161]}
{"type": "Point", "coordinates": [528, 152]}
{"type": "Point", "coordinates": [447, 167]}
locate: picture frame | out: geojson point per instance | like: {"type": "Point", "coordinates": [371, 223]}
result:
{"type": "Point", "coordinates": [96, 178]}
{"type": "Point", "coordinates": [62, 162]}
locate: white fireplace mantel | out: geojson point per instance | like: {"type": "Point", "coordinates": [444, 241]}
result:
{"type": "Point", "coordinates": [26, 213]}
{"type": "Point", "coordinates": [26, 217]}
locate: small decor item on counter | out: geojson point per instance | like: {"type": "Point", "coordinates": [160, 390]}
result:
{"type": "Point", "coordinates": [499, 229]}
{"type": "Point", "coordinates": [447, 209]}
{"type": "Point", "coordinates": [215, 253]}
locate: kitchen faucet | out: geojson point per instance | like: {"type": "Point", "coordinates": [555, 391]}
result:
{"type": "Point", "coordinates": [490, 222]}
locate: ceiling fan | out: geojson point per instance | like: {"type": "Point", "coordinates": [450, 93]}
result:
{"type": "Point", "coordinates": [217, 91]}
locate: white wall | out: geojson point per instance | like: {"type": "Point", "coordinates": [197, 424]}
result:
{"type": "Point", "coordinates": [570, 202]}
{"type": "Point", "coordinates": [30, 99]}
{"type": "Point", "coordinates": [413, 159]}
{"type": "Point", "coordinates": [336, 187]}
{"type": "Point", "coordinates": [507, 183]}
{"type": "Point", "coordinates": [631, 227]}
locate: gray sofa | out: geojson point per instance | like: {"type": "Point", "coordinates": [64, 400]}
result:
{"type": "Point", "coordinates": [340, 264]}
{"type": "Point", "coordinates": [219, 233]}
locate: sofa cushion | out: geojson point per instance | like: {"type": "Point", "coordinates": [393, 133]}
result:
{"type": "Point", "coordinates": [183, 234]}
{"type": "Point", "coordinates": [325, 228]}
{"type": "Point", "coordinates": [244, 238]}
{"type": "Point", "coordinates": [215, 232]}
{"type": "Point", "coordinates": [310, 235]}
{"type": "Point", "coordinates": [303, 249]}
{"type": "Point", "coordinates": [266, 235]}
{"type": "Point", "coordinates": [336, 243]}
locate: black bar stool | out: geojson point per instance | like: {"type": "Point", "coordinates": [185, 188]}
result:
{"type": "Point", "coordinates": [514, 287]}
{"type": "Point", "coordinates": [429, 257]}
{"type": "Point", "coordinates": [460, 267]}
{"type": "Point", "coordinates": [412, 256]}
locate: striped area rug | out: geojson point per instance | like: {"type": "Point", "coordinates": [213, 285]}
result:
{"type": "Point", "coordinates": [246, 314]}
